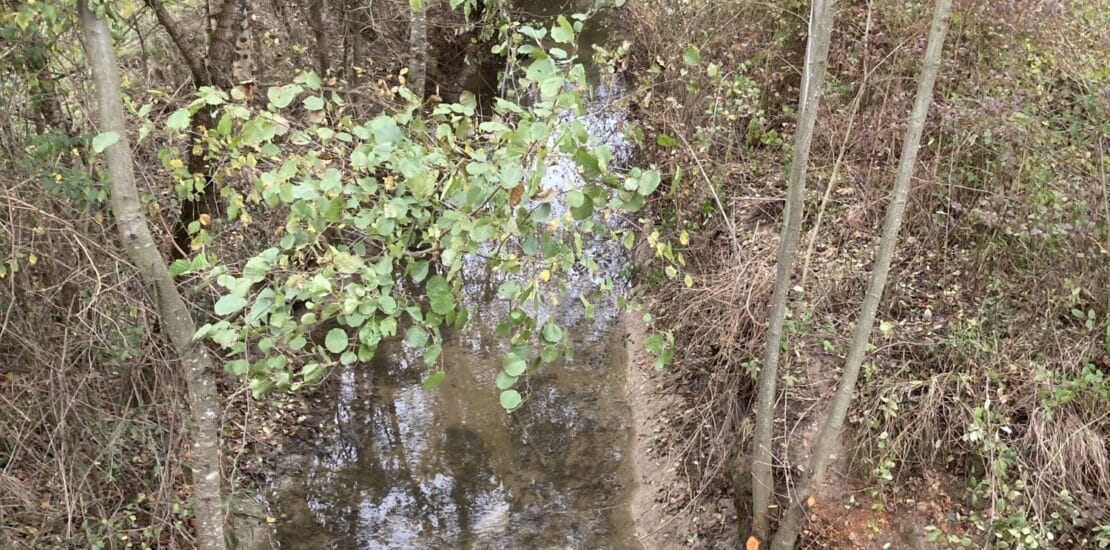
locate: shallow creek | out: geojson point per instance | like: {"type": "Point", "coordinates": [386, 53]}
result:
{"type": "Point", "coordinates": [407, 467]}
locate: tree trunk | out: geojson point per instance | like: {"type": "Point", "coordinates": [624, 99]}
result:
{"type": "Point", "coordinates": [817, 50]}
{"type": "Point", "coordinates": [418, 47]}
{"type": "Point", "coordinates": [196, 68]}
{"type": "Point", "coordinates": [316, 19]}
{"type": "Point", "coordinates": [196, 365]}
{"type": "Point", "coordinates": [830, 430]}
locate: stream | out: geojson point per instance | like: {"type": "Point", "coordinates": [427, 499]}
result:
{"type": "Point", "coordinates": [408, 467]}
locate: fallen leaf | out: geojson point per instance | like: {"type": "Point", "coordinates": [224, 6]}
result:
{"type": "Point", "coordinates": [752, 544]}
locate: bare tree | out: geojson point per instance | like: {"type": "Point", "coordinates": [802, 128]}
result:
{"type": "Point", "coordinates": [418, 46]}
{"type": "Point", "coordinates": [830, 430]}
{"type": "Point", "coordinates": [821, 17]}
{"type": "Point", "coordinates": [135, 235]}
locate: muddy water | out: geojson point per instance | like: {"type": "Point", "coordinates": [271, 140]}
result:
{"type": "Point", "coordinates": [406, 467]}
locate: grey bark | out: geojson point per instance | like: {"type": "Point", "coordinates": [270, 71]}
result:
{"type": "Point", "coordinates": [135, 235]}
{"type": "Point", "coordinates": [821, 17]}
{"type": "Point", "coordinates": [826, 440]}
{"type": "Point", "coordinates": [418, 47]}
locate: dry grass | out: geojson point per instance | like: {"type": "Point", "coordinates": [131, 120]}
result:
{"type": "Point", "coordinates": [1001, 242]}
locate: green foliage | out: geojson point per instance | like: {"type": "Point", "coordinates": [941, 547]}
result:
{"type": "Point", "coordinates": [381, 214]}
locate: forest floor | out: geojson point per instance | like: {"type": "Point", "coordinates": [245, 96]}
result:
{"type": "Point", "coordinates": [980, 415]}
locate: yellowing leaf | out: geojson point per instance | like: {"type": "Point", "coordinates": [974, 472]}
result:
{"type": "Point", "coordinates": [811, 501]}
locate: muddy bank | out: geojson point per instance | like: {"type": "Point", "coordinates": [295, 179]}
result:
{"type": "Point", "coordinates": [660, 504]}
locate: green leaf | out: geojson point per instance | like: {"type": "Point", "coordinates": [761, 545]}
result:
{"type": "Point", "coordinates": [504, 380]}
{"type": "Point", "coordinates": [313, 103]}
{"type": "Point", "coordinates": [510, 400]}
{"type": "Point", "coordinates": [237, 367]}
{"type": "Point", "coordinates": [179, 120]}
{"type": "Point", "coordinates": [435, 379]}
{"type": "Point", "coordinates": [431, 353]}
{"type": "Point", "coordinates": [509, 290]}
{"type": "Point", "coordinates": [346, 262]}
{"type": "Point", "coordinates": [282, 96]}
{"type": "Point", "coordinates": [440, 296]}
{"type": "Point", "coordinates": [418, 270]}
{"type": "Point", "coordinates": [180, 267]}
{"type": "Point", "coordinates": [691, 55]}
{"type": "Point", "coordinates": [416, 337]}
{"type": "Point", "coordinates": [649, 182]}
{"type": "Point", "coordinates": [336, 340]}
{"type": "Point", "coordinates": [563, 32]}
{"type": "Point", "coordinates": [575, 198]}
{"type": "Point", "coordinates": [540, 70]}
{"type": "Point", "coordinates": [312, 372]}
{"type": "Point", "coordinates": [514, 365]}
{"type": "Point", "coordinates": [260, 387]}
{"type": "Point", "coordinates": [385, 129]}
{"type": "Point", "coordinates": [549, 353]}
{"type": "Point", "coordinates": [104, 140]}
{"type": "Point", "coordinates": [552, 333]}
{"type": "Point", "coordinates": [664, 140]}
{"type": "Point", "coordinates": [585, 210]}
{"type": "Point", "coordinates": [229, 304]}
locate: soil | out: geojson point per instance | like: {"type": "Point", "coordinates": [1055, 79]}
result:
{"type": "Point", "coordinates": [663, 513]}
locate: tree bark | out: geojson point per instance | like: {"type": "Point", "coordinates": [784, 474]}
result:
{"type": "Point", "coordinates": [830, 430]}
{"type": "Point", "coordinates": [316, 19]}
{"type": "Point", "coordinates": [817, 49]}
{"type": "Point", "coordinates": [135, 235]}
{"type": "Point", "coordinates": [418, 47]}
{"type": "Point", "coordinates": [196, 68]}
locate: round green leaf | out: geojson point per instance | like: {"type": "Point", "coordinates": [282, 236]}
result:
{"type": "Point", "coordinates": [552, 333]}
{"type": "Point", "coordinates": [179, 120]}
{"type": "Point", "coordinates": [313, 103]}
{"type": "Point", "coordinates": [336, 340]}
{"type": "Point", "coordinates": [514, 365]}
{"type": "Point", "coordinates": [104, 140]}
{"type": "Point", "coordinates": [504, 380]}
{"type": "Point", "coordinates": [511, 400]}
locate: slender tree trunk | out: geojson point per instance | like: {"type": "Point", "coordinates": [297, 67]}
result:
{"type": "Point", "coordinates": [830, 430]}
{"type": "Point", "coordinates": [316, 19]}
{"type": "Point", "coordinates": [196, 68]}
{"type": "Point", "coordinates": [196, 365]}
{"type": "Point", "coordinates": [216, 70]}
{"type": "Point", "coordinates": [817, 50]}
{"type": "Point", "coordinates": [418, 47]}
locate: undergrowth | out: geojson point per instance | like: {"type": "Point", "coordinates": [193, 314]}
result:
{"type": "Point", "coordinates": [994, 344]}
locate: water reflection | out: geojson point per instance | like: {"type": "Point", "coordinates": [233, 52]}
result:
{"type": "Point", "coordinates": [412, 468]}
{"type": "Point", "coordinates": [448, 468]}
